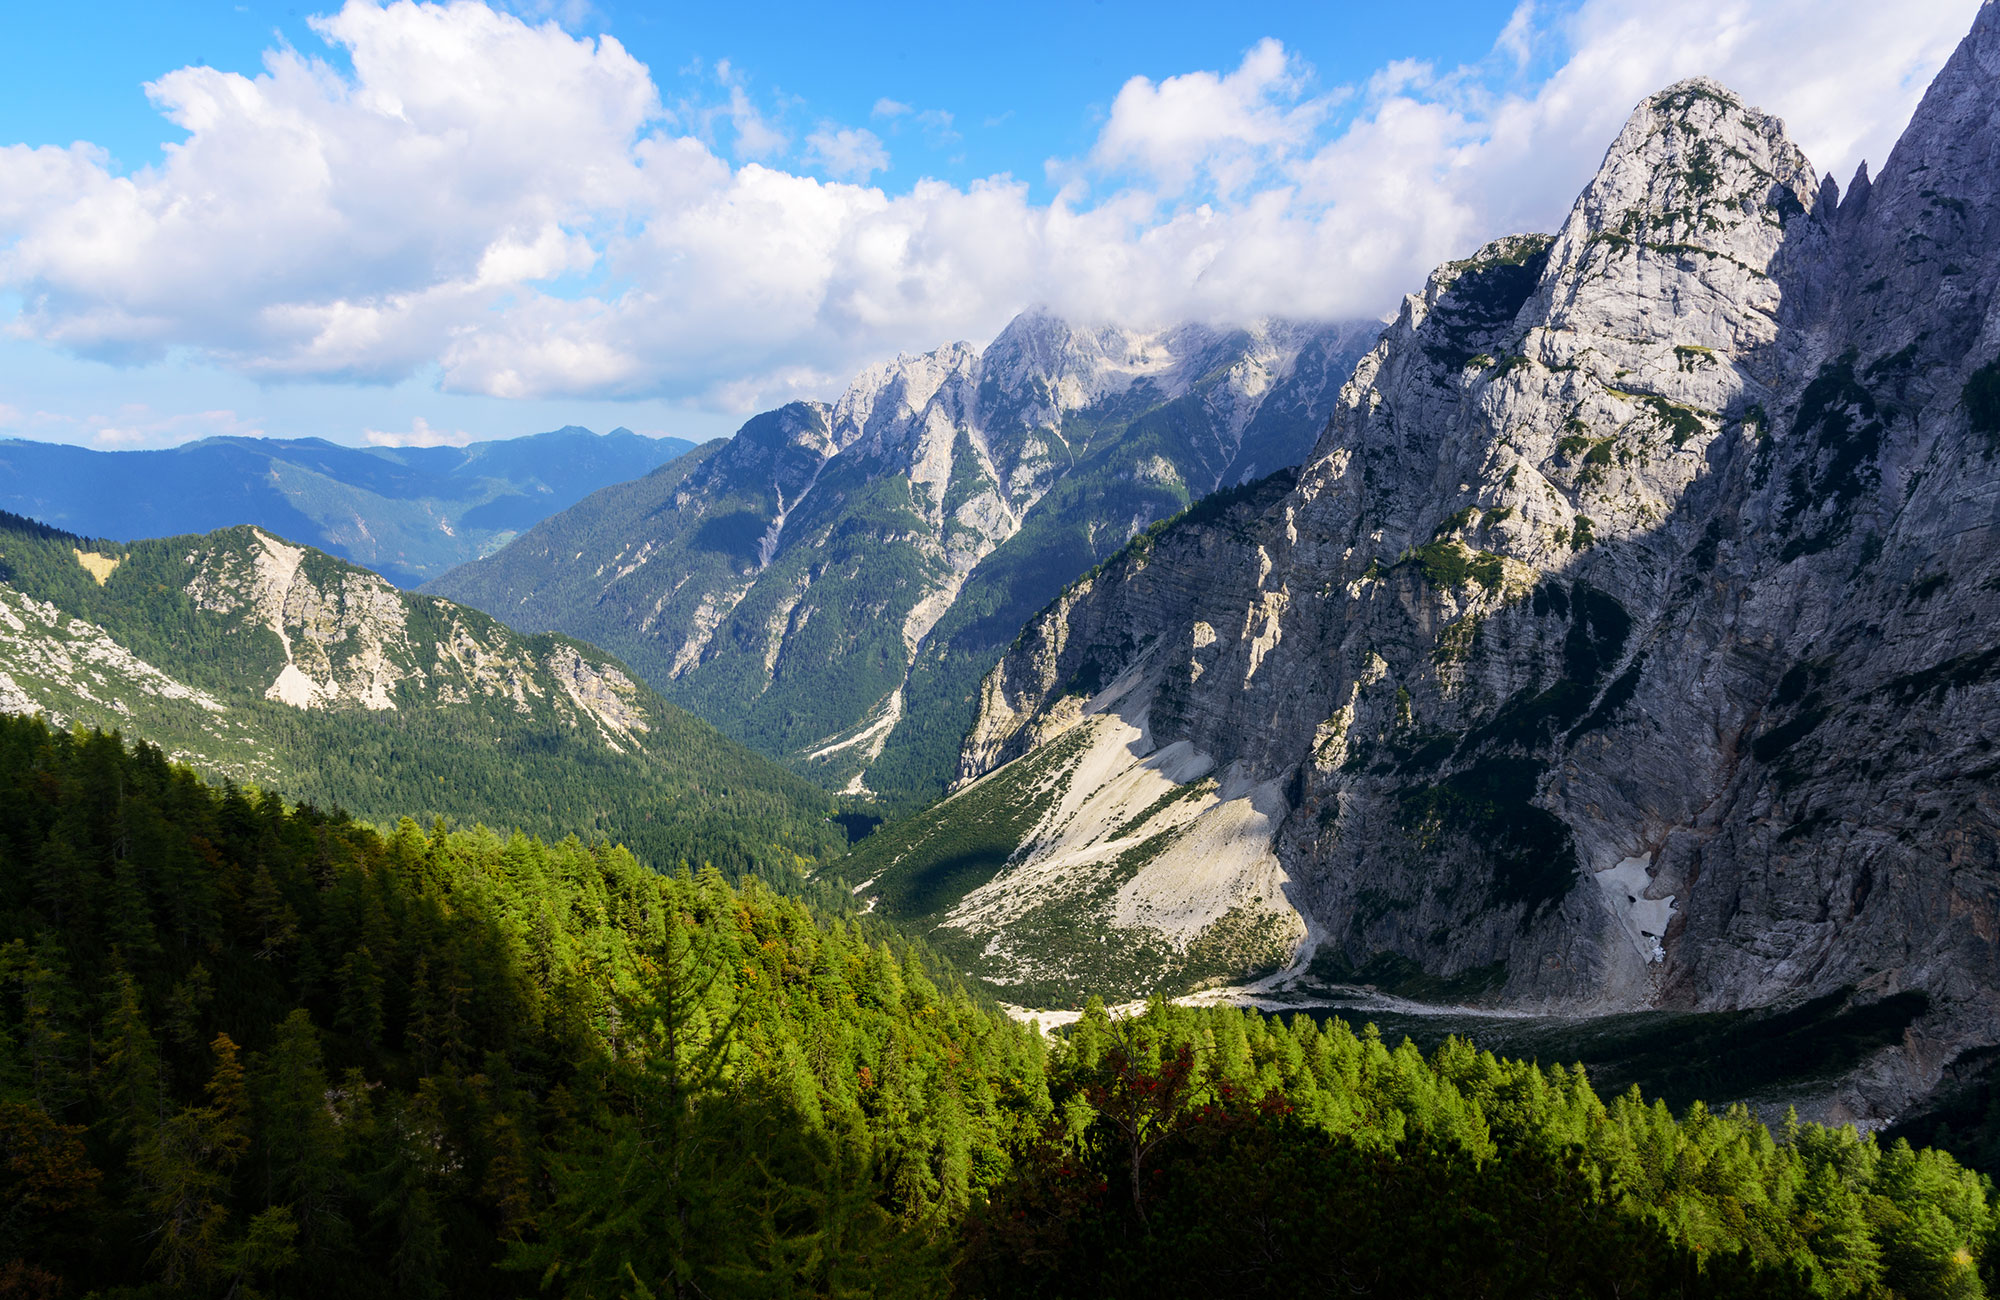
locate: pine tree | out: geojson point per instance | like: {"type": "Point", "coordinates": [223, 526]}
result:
{"type": "Point", "coordinates": [130, 1090]}
{"type": "Point", "coordinates": [361, 1000]}
{"type": "Point", "coordinates": [272, 919]}
{"type": "Point", "coordinates": [45, 1039]}
{"type": "Point", "coordinates": [301, 1145]}
{"type": "Point", "coordinates": [186, 1165]}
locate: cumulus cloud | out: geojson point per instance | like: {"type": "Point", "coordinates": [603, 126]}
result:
{"type": "Point", "coordinates": [419, 434]}
{"type": "Point", "coordinates": [513, 205]}
{"type": "Point", "coordinates": [130, 426]}
{"type": "Point", "coordinates": [1225, 127]}
{"type": "Point", "coordinates": [847, 153]}
{"type": "Point", "coordinates": [756, 137]}
{"type": "Point", "coordinates": [313, 225]}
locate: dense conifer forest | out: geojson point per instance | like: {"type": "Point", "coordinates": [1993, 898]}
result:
{"type": "Point", "coordinates": [257, 1049]}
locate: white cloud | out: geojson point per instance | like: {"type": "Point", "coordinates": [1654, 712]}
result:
{"type": "Point", "coordinates": [130, 426]}
{"type": "Point", "coordinates": [937, 127]}
{"type": "Point", "coordinates": [1226, 127]}
{"type": "Point", "coordinates": [934, 123]}
{"type": "Point", "coordinates": [570, 13]}
{"type": "Point", "coordinates": [511, 204]}
{"type": "Point", "coordinates": [1516, 39]}
{"type": "Point", "coordinates": [755, 136]}
{"type": "Point", "coordinates": [420, 434]}
{"type": "Point", "coordinates": [312, 225]}
{"type": "Point", "coordinates": [847, 153]}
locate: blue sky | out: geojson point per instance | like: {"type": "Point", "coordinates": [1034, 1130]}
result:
{"type": "Point", "coordinates": [413, 222]}
{"type": "Point", "coordinates": [1021, 83]}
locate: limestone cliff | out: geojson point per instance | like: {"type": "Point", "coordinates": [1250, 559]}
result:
{"type": "Point", "coordinates": [1628, 638]}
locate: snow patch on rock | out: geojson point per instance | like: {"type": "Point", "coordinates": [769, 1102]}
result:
{"type": "Point", "coordinates": [1644, 919]}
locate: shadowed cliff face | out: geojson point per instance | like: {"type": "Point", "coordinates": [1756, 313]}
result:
{"type": "Point", "coordinates": [1629, 637]}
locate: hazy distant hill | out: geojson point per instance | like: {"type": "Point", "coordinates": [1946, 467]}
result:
{"type": "Point", "coordinates": [408, 512]}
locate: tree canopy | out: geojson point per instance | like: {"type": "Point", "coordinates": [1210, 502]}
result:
{"type": "Point", "coordinates": [257, 1049]}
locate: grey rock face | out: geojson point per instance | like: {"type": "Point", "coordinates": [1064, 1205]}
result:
{"type": "Point", "coordinates": [1629, 637]}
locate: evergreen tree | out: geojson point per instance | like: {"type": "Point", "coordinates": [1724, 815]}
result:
{"type": "Point", "coordinates": [437, 1063]}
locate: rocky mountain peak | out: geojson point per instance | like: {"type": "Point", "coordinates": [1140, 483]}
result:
{"type": "Point", "coordinates": [833, 582]}
{"type": "Point", "coordinates": [1038, 342]}
{"type": "Point", "coordinates": [1036, 337]}
{"type": "Point", "coordinates": [1857, 193]}
{"type": "Point", "coordinates": [804, 425]}
{"type": "Point", "coordinates": [782, 449]}
{"type": "Point", "coordinates": [1696, 173]}
{"type": "Point", "coordinates": [1626, 634]}
{"type": "Point", "coordinates": [888, 398]}
{"type": "Point", "coordinates": [1570, 386]}
{"type": "Point", "coordinates": [1919, 238]}
{"type": "Point", "coordinates": [1042, 365]}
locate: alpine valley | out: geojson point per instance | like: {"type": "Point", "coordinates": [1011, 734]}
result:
{"type": "Point", "coordinates": [1626, 642]}
{"type": "Point", "coordinates": [831, 584]}
{"type": "Point", "coordinates": [1501, 804]}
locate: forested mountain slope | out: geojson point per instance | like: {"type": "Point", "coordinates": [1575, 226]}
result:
{"type": "Point", "coordinates": [831, 584]}
{"type": "Point", "coordinates": [253, 1050]}
{"type": "Point", "coordinates": [410, 513]}
{"type": "Point", "coordinates": [282, 667]}
{"type": "Point", "coordinates": [1628, 640]}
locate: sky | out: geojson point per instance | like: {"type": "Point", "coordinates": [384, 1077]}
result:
{"type": "Point", "coordinates": [405, 223]}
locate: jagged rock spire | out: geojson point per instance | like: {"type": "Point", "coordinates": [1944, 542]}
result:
{"type": "Point", "coordinates": [1693, 167]}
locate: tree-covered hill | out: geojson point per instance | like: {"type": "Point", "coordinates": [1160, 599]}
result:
{"type": "Point", "coordinates": [283, 667]}
{"type": "Point", "coordinates": [248, 1049]}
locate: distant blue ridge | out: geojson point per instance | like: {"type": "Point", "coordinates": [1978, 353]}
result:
{"type": "Point", "coordinates": [410, 513]}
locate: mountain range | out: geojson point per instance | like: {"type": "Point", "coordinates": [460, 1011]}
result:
{"type": "Point", "coordinates": [255, 660]}
{"type": "Point", "coordinates": [1627, 640]}
{"type": "Point", "coordinates": [410, 513]}
{"type": "Point", "coordinates": [831, 584]}
{"type": "Point", "coordinates": [1497, 803]}
{"type": "Point", "coordinates": [1612, 632]}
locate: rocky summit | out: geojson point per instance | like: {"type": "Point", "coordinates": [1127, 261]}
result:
{"type": "Point", "coordinates": [831, 583]}
{"type": "Point", "coordinates": [1628, 639]}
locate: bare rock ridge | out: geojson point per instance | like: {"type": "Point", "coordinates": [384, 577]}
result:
{"type": "Point", "coordinates": [831, 583]}
{"type": "Point", "coordinates": [1627, 640]}
{"type": "Point", "coordinates": [304, 630]}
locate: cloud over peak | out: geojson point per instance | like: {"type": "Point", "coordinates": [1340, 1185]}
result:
{"type": "Point", "coordinates": [517, 207]}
